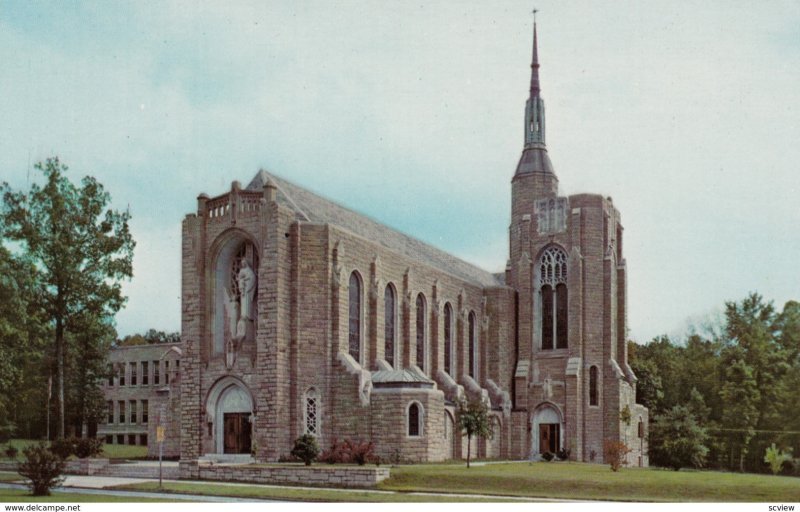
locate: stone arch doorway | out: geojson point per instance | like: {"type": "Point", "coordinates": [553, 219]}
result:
{"type": "Point", "coordinates": [230, 410]}
{"type": "Point", "coordinates": [547, 430]}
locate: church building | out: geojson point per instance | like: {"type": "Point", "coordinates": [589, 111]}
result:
{"type": "Point", "coordinates": [301, 316]}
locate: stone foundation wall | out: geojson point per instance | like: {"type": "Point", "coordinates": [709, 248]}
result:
{"type": "Point", "coordinates": [323, 476]}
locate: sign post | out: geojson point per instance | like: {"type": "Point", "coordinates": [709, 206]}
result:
{"type": "Point", "coordinates": [160, 440]}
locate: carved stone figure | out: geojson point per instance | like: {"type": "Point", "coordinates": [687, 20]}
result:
{"type": "Point", "coordinates": [246, 279]}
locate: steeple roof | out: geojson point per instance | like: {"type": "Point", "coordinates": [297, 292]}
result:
{"type": "Point", "coordinates": [534, 157]}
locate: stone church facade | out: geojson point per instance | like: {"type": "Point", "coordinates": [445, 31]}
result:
{"type": "Point", "coordinates": [302, 316]}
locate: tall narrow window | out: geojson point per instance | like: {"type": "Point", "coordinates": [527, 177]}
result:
{"type": "Point", "coordinates": [156, 373]}
{"type": "Point", "coordinates": [312, 412]}
{"type": "Point", "coordinates": [547, 317]}
{"type": "Point", "coordinates": [561, 315]}
{"type": "Point", "coordinates": [122, 374]}
{"type": "Point", "coordinates": [110, 406]}
{"type": "Point", "coordinates": [472, 346]}
{"type": "Point", "coordinates": [145, 412]}
{"type": "Point", "coordinates": [166, 371]}
{"type": "Point", "coordinates": [133, 373]}
{"type": "Point", "coordinates": [448, 336]}
{"type": "Point", "coordinates": [354, 339]}
{"type": "Point", "coordinates": [121, 411]}
{"type": "Point", "coordinates": [110, 375]}
{"type": "Point", "coordinates": [390, 313]}
{"type": "Point", "coordinates": [145, 373]}
{"type": "Point", "coordinates": [421, 332]}
{"type": "Point", "coordinates": [132, 411]}
{"type": "Point", "coordinates": [414, 417]}
{"type": "Point", "coordinates": [554, 299]}
{"type": "Point", "coordinates": [593, 386]}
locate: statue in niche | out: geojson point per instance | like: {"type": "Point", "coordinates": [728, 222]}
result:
{"type": "Point", "coordinates": [246, 281]}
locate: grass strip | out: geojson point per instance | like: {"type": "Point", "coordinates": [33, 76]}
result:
{"type": "Point", "coordinates": [570, 480]}
{"type": "Point", "coordinates": [289, 494]}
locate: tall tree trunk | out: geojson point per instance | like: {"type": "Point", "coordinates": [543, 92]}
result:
{"type": "Point", "coordinates": [469, 448]}
{"type": "Point", "coordinates": [60, 376]}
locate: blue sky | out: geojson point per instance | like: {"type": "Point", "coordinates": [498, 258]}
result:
{"type": "Point", "coordinates": [686, 113]}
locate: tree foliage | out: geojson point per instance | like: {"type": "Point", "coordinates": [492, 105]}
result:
{"type": "Point", "coordinates": [80, 250]}
{"type": "Point", "coordinates": [306, 448]}
{"type": "Point", "coordinates": [473, 420]}
{"type": "Point", "coordinates": [677, 440]}
{"type": "Point", "coordinates": [738, 381]}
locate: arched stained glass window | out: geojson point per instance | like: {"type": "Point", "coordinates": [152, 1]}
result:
{"type": "Point", "coordinates": [390, 314]}
{"type": "Point", "coordinates": [311, 412]}
{"type": "Point", "coordinates": [354, 339]}
{"type": "Point", "coordinates": [448, 337]}
{"type": "Point", "coordinates": [473, 346]}
{"type": "Point", "coordinates": [421, 332]}
{"type": "Point", "coordinates": [593, 395]}
{"type": "Point", "coordinates": [554, 299]}
{"type": "Point", "coordinates": [414, 420]}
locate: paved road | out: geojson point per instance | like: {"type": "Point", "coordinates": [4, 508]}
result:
{"type": "Point", "coordinates": [98, 484]}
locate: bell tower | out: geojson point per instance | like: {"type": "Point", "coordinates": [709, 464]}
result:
{"type": "Point", "coordinates": [534, 178]}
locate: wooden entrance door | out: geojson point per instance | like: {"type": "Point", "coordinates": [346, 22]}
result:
{"type": "Point", "coordinates": [548, 437]}
{"type": "Point", "coordinates": [237, 432]}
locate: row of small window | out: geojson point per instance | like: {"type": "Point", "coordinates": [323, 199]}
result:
{"type": "Point", "coordinates": [132, 415]}
{"type": "Point", "coordinates": [131, 371]}
{"type": "Point", "coordinates": [420, 321]}
{"type": "Point", "coordinates": [132, 439]}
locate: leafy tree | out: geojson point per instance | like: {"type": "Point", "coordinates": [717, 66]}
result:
{"type": "Point", "coordinates": [677, 440]}
{"type": "Point", "coordinates": [615, 452]}
{"type": "Point", "coordinates": [741, 396]}
{"type": "Point", "coordinates": [81, 250]}
{"type": "Point", "coordinates": [473, 420]}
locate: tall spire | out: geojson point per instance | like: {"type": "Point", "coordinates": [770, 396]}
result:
{"type": "Point", "coordinates": [534, 155]}
{"type": "Point", "coordinates": [535, 89]}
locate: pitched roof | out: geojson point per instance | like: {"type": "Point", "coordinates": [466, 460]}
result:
{"type": "Point", "coordinates": [313, 208]}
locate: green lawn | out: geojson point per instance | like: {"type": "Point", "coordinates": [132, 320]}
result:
{"type": "Point", "coordinates": [594, 481]}
{"type": "Point", "coordinates": [24, 496]}
{"type": "Point", "coordinates": [9, 476]}
{"type": "Point", "coordinates": [317, 495]}
{"type": "Point", "coordinates": [110, 451]}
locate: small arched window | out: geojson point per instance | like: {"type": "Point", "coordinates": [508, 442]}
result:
{"type": "Point", "coordinates": [414, 420]}
{"type": "Point", "coordinates": [421, 332]}
{"type": "Point", "coordinates": [641, 428]}
{"type": "Point", "coordinates": [354, 339]}
{"type": "Point", "coordinates": [448, 337]}
{"type": "Point", "coordinates": [593, 398]}
{"type": "Point", "coordinates": [554, 298]}
{"type": "Point", "coordinates": [390, 313]}
{"type": "Point", "coordinates": [311, 412]}
{"type": "Point", "coordinates": [473, 346]}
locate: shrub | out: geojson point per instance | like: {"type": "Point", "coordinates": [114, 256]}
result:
{"type": "Point", "coordinates": [306, 448]}
{"type": "Point", "coordinates": [548, 456]}
{"type": "Point", "coordinates": [288, 458]}
{"type": "Point", "coordinates": [776, 458]}
{"type": "Point", "coordinates": [88, 447]}
{"type": "Point", "coordinates": [42, 467]}
{"type": "Point", "coordinates": [64, 447]}
{"type": "Point", "coordinates": [615, 452]}
{"type": "Point", "coordinates": [11, 452]}
{"type": "Point", "coordinates": [563, 454]}
{"type": "Point", "coordinates": [336, 453]}
{"type": "Point", "coordinates": [359, 452]}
